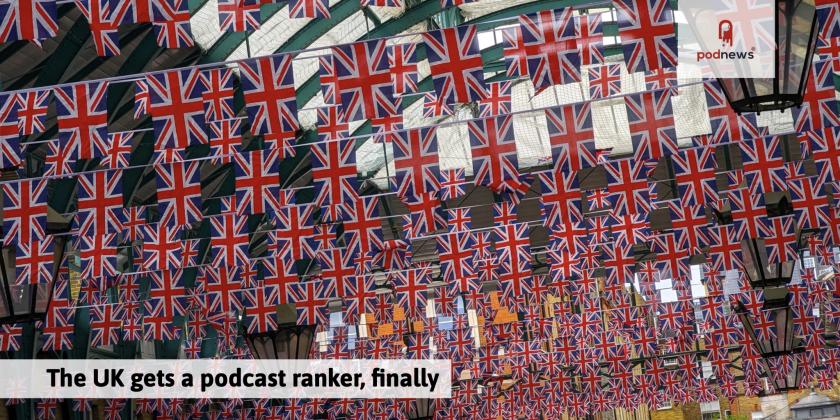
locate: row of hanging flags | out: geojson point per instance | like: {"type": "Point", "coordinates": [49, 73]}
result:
{"type": "Point", "coordinates": [36, 20]}
{"type": "Point", "coordinates": [570, 338]}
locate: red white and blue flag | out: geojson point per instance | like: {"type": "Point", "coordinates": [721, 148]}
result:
{"type": "Point", "coordinates": [455, 62]}
{"type": "Point", "coordinates": [363, 80]}
{"type": "Point", "coordinates": [24, 211]}
{"type": "Point", "coordinates": [416, 161]}
{"type": "Point", "coordinates": [646, 29]}
{"type": "Point", "coordinates": [103, 23]}
{"type": "Point", "coordinates": [177, 108]}
{"type": "Point", "coordinates": [31, 20]}
{"type": "Point", "coordinates": [551, 50]}
{"type": "Point", "coordinates": [269, 88]}
{"type": "Point", "coordinates": [239, 15]}
{"type": "Point", "coordinates": [301, 9]}
{"type": "Point", "coordinates": [83, 118]}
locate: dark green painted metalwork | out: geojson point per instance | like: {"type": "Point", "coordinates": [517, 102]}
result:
{"type": "Point", "coordinates": [50, 70]}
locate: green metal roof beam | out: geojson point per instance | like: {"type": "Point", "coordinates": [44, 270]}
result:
{"type": "Point", "coordinates": [53, 67]}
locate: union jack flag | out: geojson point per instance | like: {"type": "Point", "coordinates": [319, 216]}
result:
{"type": "Point", "coordinates": [651, 121]}
{"type": "Point", "coordinates": [179, 191]}
{"type": "Point", "coordinates": [328, 79]}
{"type": "Point", "coordinates": [763, 164]}
{"type": "Point", "coordinates": [381, 3]}
{"type": "Point", "coordinates": [171, 24]}
{"type": "Point", "coordinates": [661, 78]}
{"type": "Point", "coordinates": [217, 94]}
{"type": "Point", "coordinates": [103, 23]}
{"type": "Point", "coordinates": [46, 408]}
{"type": "Point", "coordinates": [32, 111]}
{"type": "Point", "coordinates": [10, 155]}
{"type": "Point", "coordinates": [239, 15]}
{"type": "Point", "coordinates": [161, 245]}
{"type": "Point", "coordinates": [823, 148]}
{"type": "Point", "coordinates": [590, 35]}
{"type": "Point", "coordinates": [336, 266]}
{"type": "Point", "coordinates": [359, 293]}
{"type": "Point", "coordinates": [450, 3]}
{"type": "Point", "coordinates": [257, 182]}
{"type": "Point", "coordinates": [334, 172]}
{"type": "Point", "coordinates": [138, 11]}
{"type": "Point", "coordinates": [260, 309]}
{"type": "Point", "coordinates": [452, 183]}
{"type": "Point", "coordinates": [604, 81]}
{"type": "Point", "coordinates": [362, 227]}
{"type": "Point", "coordinates": [57, 330]}
{"type": "Point", "coordinates": [295, 226]}
{"type": "Point", "coordinates": [269, 88]}
{"type": "Point", "coordinates": [627, 180]}
{"type": "Point", "coordinates": [781, 239]}
{"type": "Point", "coordinates": [455, 62]}
{"type": "Point", "coordinates": [83, 118]}
{"type": "Point", "coordinates": [572, 137]}
{"type": "Point", "coordinates": [177, 109]}
{"type": "Point", "coordinates": [409, 288]}
{"type": "Point", "coordinates": [456, 259]}
{"type": "Point", "coordinates": [34, 262]}
{"type": "Point", "coordinates": [363, 80]}
{"type": "Point", "coordinates": [425, 213]}
{"type": "Point", "coordinates": [331, 125]}
{"type": "Point", "coordinates": [384, 129]}
{"type": "Point", "coordinates": [402, 62]}
{"type": "Point", "coordinates": [550, 44]}
{"type": "Point", "coordinates": [58, 162]}
{"type": "Point", "coordinates": [100, 203]}
{"type": "Point", "coordinates": [229, 240]}
{"type": "Point", "coordinates": [98, 256]}
{"type": "Point", "coordinates": [513, 251]}
{"type": "Point", "coordinates": [646, 29]}
{"type": "Point", "coordinates": [695, 175]}
{"type": "Point", "coordinates": [24, 211]}
{"type": "Point", "coordinates": [118, 154]}
{"type": "Point", "coordinates": [828, 23]}
{"type": "Point", "coordinates": [167, 289]}
{"type": "Point", "coordinates": [434, 106]}
{"type": "Point", "coordinates": [318, 9]}
{"type": "Point", "coordinates": [495, 163]}
{"type": "Point", "coordinates": [10, 335]}
{"type": "Point", "coordinates": [309, 302]}
{"type": "Point", "coordinates": [819, 107]}
{"type": "Point", "coordinates": [141, 99]}
{"type": "Point", "coordinates": [515, 55]}
{"type": "Point", "coordinates": [31, 20]}
{"type": "Point", "coordinates": [225, 140]}
{"type": "Point", "coordinates": [416, 161]}
{"type": "Point", "coordinates": [497, 101]}
{"type": "Point", "coordinates": [156, 324]}
{"type": "Point", "coordinates": [105, 325]}
{"type": "Point", "coordinates": [810, 203]}
{"type": "Point", "coordinates": [223, 291]}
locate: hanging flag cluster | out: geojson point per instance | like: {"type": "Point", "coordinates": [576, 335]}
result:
{"type": "Point", "coordinates": [603, 316]}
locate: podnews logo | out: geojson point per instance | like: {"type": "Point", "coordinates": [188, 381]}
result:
{"type": "Point", "coordinates": [725, 34]}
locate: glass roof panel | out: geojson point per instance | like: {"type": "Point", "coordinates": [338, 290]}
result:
{"type": "Point", "coordinates": [204, 24]}
{"type": "Point", "coordinates": [478, 9]}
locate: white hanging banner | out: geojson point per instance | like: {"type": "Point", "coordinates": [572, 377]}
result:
{"type": "Point", "coordinates": [210, 378]}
